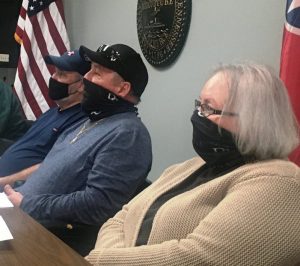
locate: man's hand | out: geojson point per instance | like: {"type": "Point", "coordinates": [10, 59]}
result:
{"type": "Point", "coordinates": [4, 181]}
{"type": "Point", "coordinates": [22, 175]}
{"type": "Point", "coordinates": [13, 196]}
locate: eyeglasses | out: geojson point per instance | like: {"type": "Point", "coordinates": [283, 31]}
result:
{"type": "Point", "coordinates": [205, 110]}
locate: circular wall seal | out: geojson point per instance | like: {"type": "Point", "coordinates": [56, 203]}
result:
{"type": "Point", "coordinates": [162, 27]}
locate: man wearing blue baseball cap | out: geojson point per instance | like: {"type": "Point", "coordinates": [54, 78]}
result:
{"type": "Point", "coordinates": [96, 166]}
{"type": "Point", "coordinates": [66, 89]}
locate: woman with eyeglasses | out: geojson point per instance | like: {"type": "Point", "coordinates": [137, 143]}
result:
{"type": "Point", "coordinates": [237, 203]}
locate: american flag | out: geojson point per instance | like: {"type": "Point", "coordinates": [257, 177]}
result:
{"type": "Point", "coordinates": [40, 31]}
{"type": "Point", "coordinates": [290, 61]}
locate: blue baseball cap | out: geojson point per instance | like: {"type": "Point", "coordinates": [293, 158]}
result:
{"type": "Point", "coordinates": [69, 61]}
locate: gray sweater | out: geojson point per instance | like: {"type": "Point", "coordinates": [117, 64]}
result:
{"type": "Point", "coordinates": [91, 171]}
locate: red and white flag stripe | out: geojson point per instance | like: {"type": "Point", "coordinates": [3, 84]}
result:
{"type": "Point", "coordinates": [39, 34]}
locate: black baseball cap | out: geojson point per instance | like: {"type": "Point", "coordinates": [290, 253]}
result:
{"type": "Point", "coordinates": [69, 61]}
{"type": "Point", "coordinates": [122, 59]}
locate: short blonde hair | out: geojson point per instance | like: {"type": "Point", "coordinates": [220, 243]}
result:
{"type": "Point", "coordinates": [267, 124]}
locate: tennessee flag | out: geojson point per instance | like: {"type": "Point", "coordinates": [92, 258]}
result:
{"type": "Point", "coordinates": [290, 61]}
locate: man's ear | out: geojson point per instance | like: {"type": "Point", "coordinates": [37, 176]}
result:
{"type": "Point", "coordinates": [124, 89]}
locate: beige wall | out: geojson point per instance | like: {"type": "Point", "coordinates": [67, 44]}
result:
{"type": "Point", "coordinates": [220, 31]}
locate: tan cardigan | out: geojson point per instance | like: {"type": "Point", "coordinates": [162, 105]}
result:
{"type": "Point", "coordinates": [250, 216]}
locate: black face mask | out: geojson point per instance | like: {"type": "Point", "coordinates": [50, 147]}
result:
{"type": "Point", "coordinates": [57, 90]}
{"type": "Point", "coordinates": [98, 102]}
{"type": "Point", "coordinates": [215, 146]}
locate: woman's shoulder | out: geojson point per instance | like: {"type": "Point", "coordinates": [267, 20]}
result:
{"type": "Point", "coordinates": [275, 168]}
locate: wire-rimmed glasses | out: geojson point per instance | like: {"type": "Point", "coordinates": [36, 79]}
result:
{"type": "Point", "coordinates": [205, 110]}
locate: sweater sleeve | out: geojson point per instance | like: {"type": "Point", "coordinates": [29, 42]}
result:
{"type": "Point", "coordinates": [112, 231]}
{"type": "Point", "coordinates": [256, 223]}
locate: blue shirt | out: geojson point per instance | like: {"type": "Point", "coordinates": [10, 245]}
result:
{"type": "Point", "coordinates": [91, 171]}
{"type": "Point", "coordinates": [33, 147]}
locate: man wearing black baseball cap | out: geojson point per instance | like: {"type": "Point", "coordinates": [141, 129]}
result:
{"type": "Point", "coordinates": [96, 166]}
{"type": "Point", "coordinates": [125, 71]}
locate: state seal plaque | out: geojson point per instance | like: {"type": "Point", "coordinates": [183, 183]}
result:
{"type": "Point", "coordinates": [162, 27]}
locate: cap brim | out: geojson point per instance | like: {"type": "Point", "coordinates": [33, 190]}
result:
{"type": "Point", "coordinates": [56, 61]}
{"type": "Point", "coordinates": [95, 57]}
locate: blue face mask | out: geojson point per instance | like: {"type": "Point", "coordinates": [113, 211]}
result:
{"type": "Point", "coordinates": [213, 145]}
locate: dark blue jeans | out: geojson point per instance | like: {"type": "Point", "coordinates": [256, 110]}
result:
{"type": "Point", "coordinates": [81, 238]}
